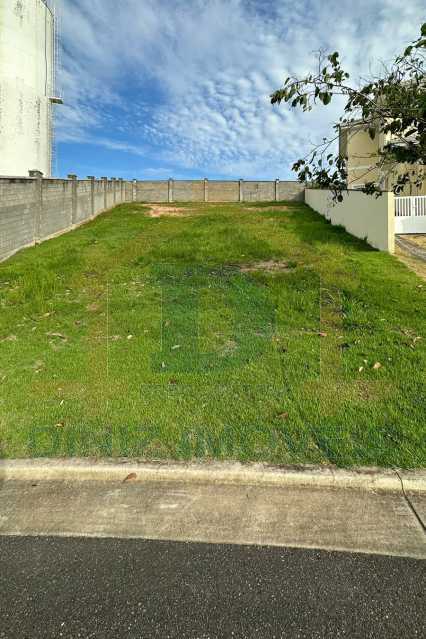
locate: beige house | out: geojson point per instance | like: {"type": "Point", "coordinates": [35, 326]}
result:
{"type": "Point", "coordinates": [363, 154]}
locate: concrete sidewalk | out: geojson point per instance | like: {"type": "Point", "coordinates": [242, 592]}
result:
{"type": "Point", "coordinates": [357, 511]}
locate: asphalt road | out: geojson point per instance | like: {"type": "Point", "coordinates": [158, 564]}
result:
{"type": "Point", "coordinates": [110, 588]}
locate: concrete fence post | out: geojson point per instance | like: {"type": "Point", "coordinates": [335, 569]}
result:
{"type": "Point", "coordinates": [114, 194]}
{"type": "Point", "coordinates": [92, 194]}
{"type": "Point", "coordinates": [134, 190]}
{"type": "Point", "coordinates": [105, 181]}
{"type": "Point", "coordinates": [241, 194]}
{"type": "Point", "coordinates": [171, 190]}
{"type": "Point", "coordinates": [38, 175]}
{"type": "Point", "coordinates": [206, 190]}
{"type": "Point", "coordinates": [277, 190]}
{"type": "Point", "coordinates": [73, 178]}
{"type": "Point", "coordinates": [121, 189]}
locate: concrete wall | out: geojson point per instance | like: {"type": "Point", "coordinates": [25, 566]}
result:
{"type": "Point", "coordinates": [129, 191]}
{"type": "Point", "coordinates": [188, 191]}
{"type": "Point", "coordinates": [83, 201]}
{"type": "Point", "coordinates": [154, 191]}
{"type": "Point", "coordinates": [109, 194]}
{"type": "Point", "coordinates": [217, 191]}
{"type": "Point", "coordinates": [368, 218]}
{"type": "Point", "coordinates": [27, 55]}
{"type": "Point", "coordinates": [291, 191]}
{"type": "Point", "coordinates": [56, 207]}
{"type": "Point", "coordinates": [18, 205]}
{"type": "Point", "coordinates": [259, 191]}
{"type": "Point", "coordinates": [99, 196]}
{"type": "Point", "coordinates": [223, 191]}
{"type": "Point", "coordinates": [36, 209]}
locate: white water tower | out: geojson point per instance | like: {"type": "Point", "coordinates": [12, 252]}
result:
{"type": "Point", "coordinates": [27, 86]}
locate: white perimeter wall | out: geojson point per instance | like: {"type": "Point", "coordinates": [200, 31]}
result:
{"type": "Point", "coordinates": [365, 216]}
{"type": "Point", "coordinates": [26, 84]}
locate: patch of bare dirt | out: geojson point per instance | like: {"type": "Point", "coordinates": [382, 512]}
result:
{"type": "Point", "coordinates": [263, 209]}
{"type": "Point", "coordinates": [413, 263]}
{"type": "Point", "coordinates": [270, 266]}
{"type": "Point", "coordinates": [167, 211]}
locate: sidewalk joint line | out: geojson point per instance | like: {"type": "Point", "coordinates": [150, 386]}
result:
{"type": "Point", "coordinates": [408, 500]}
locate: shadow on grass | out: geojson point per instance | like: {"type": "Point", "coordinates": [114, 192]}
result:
{"type": "Point", "coordinates": [312, 228]}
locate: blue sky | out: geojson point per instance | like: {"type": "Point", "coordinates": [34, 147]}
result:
{"type": "Point", "coordinates": [179, 88]}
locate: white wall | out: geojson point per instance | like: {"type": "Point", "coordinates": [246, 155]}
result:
{"type": "Point", "coordinates": [26, 84]}
{"type": "Point", "coordinates": [364, 216]}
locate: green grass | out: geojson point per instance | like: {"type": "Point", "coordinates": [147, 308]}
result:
{"type": "Point", "coordinates": [150, 338]}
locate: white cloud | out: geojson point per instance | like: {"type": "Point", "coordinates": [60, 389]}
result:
{"type": "Point", "coordinates": [186, 82]}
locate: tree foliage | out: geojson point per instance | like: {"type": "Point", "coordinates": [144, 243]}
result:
{"type": "Point", "coordinates": [394, 104]}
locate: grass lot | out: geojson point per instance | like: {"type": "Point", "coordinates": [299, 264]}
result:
{"type": "Point", "coordinates": [251, 332]}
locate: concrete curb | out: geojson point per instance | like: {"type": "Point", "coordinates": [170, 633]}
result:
{"type": "Point", "coordinates": [118, 470]}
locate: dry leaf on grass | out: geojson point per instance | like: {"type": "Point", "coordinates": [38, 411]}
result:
{"type": "Point", "coordinates": [130, 477]}
{"type": "Point", "coordinates": [92, 307]}
{"type": "Point", "coordinates": [283, 415]}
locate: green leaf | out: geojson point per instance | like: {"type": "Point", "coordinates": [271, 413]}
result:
{"type": "Point", "coordinates": [333, 58]}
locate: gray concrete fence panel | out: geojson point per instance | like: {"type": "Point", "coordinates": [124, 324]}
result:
{"type": "Point", "coordinates": [35, 209]}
